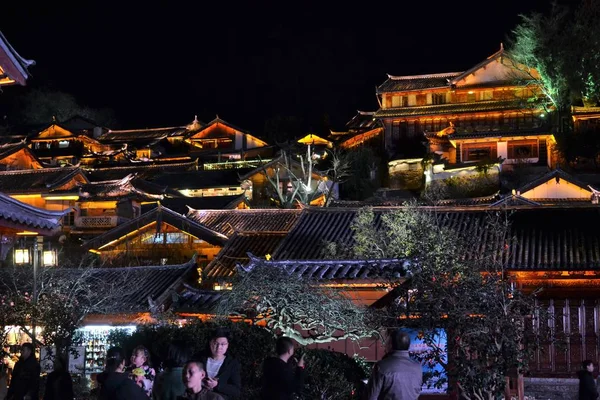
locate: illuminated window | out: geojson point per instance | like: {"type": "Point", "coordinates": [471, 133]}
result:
{"type": "Point", "coordinates": [421, 100]}
{"type": "Point", "coordinates": [522, 149]}
{"type": "Point", "coordinates": [63, 144]}
{"type": "Point", "coordinates": [477, 152]}
{"type": "Point", "coordinates": [396, 101]}
{"type": "Point", "coordinates": [150, 237]}
{"type": "Point", "coordinates": [487, 95]}
{"type": "Point", "coordinates": [176, 237]}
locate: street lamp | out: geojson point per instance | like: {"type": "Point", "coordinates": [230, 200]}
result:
{"type": "Point", "coordinates": [21, 256]}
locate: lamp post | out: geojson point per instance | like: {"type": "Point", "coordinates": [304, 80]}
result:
{"type": "Point", "coordinates": [38, 242]}
{"type": "Point", "coordinates": [36, 256]}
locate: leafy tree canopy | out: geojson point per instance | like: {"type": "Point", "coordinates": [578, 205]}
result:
{"type": "Point", "coordinates": [458, 283]}
{"type": "Point", "coordinates": [564, 48]}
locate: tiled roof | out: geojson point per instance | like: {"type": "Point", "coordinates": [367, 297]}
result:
{"type": "Point", "coordinates": [215, 121]}
{"type": "Point", "coordinates": [553, 238]}
{"type": "Point", "coordinates": [381, 269]}
{"type": "Point", "coordinates": [250, 220]}
{"type": "Point", "coordinates": [554, 174]}
{"type": "Point", "coordinates": [236, 251]}
{"type": "Point", "coordinates": [182, 205]}
{"type": "Point", "coordinates": [36, 180]}
{"type": "Point", "coordinates": [556, 239]}
{"type": "Point", "coordinates": [15, 214]}
{"type": "Point", "coordinates": [133, 286]}
{"type": "Point", "coordinates": [514, 200]}
{"type": "Point", "coordinates": [118, 136]}
{"type": "Point", "coordinates": [194, 300]}
{"type": "Point", "coordinates": [363, 121]}
{"type": "Point", "coordinates": [469, 201]}
{"type": "Point", "coordinates": [117, 189]}
{"type": "Point", "coordinates": [11, 148]}
{"type": "Point", "coordinates": [451, 108]}
{"type": "Point", "coordinates": [309, 237]}
{"type": "Point", "coordinates": [158, 215]}
{"type": "Point", "coordinates": [201, 179]}
{"type": "Point", "coordinates": [479, 65]}
{"type": "Point", "coordinates": [152, 188]}
{"type": "Point", "coordinates": [416, 82]}
{"type": "Point", "coordinates": [142, 170]}
{"type": "Point", "coordinates": [13, 64]}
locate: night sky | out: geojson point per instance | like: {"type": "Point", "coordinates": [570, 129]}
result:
{"type": "Point", "coordinates": [248, 61]}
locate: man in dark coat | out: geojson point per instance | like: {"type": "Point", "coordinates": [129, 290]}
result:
{"type": "Point", "coordinates": [25, 381]}
{"type": "Point", "coordinates": [396, 376]}
{"type": "Point", "coordinates": [281, 379]}
{"type": "Point", "coordinates": [587, 385]}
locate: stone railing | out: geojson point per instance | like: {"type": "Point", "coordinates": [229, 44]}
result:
{"type": "Point", "coordinates": [551, 388]}
{"type": "Point", "coordinates": [108, 221]}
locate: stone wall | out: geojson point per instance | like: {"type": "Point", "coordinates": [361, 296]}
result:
{"type": "Point", "coordinates": [406, 174]}
{"type": "Point", "coordinates": [551, 388]}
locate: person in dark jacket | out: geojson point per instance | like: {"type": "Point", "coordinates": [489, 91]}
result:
{"type": "Point", "coordinates": [223, 372]}
{"type": "Point", "coordinates": [25, 381]}
{"type": "Point", "coordinates": [114, 383]}
{"type": "Point", "coordinates": [587, 385]}
{"type": "Point", "coordinates": [281, 379]}
{"type": "Point", "coordinates": [59, 384]}
{"type": "Point", "coordinates": [169, 384]}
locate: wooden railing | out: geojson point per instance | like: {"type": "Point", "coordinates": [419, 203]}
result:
{"type": "Point", "coordinates": [107, 221]}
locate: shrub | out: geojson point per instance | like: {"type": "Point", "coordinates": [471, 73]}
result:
{"type": "Point", "coordinates": [332, 376]}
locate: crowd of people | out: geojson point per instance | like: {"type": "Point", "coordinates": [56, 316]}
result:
{"type": "Point", "coordinates": [215, 375]}
{"type": "Point", "coordinates": [210, 375]}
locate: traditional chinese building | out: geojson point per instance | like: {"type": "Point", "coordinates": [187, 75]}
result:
{"type": "Point", "coordinates": [217, 141]}
{"type": "Point", "coordinates": [488, 112]}
{"type": "Point", "coordinates": [55, 145]}
{"type": "Point", "coordinates": [159, 236]}
{"type": "Point", "coordinates": [362, 129]}
{"type": "Point", "coordinates": [17, 156]}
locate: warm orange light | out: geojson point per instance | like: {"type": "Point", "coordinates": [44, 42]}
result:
{"type": "Point", "coordinates": [27, 233]}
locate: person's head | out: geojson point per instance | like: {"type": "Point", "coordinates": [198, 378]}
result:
{"type": "Point", "coordinates": [400, 340]}
{"type": "Point", "coordinates": [177, 354]}
{"type": "Point", "coordinates": [284, 346]}
{"type": "Point", "coordinates": [115, 359]}
{"type": "Point", "coordinates": [193, 374]}
{"type": "Point", "coordinates": [140, 356]}
{"type": "Point", "coordinates": [219, 343]}
{"type": "Point", "coordinates": [588, 365]}
{"type": "Point", "coordinates": [26, 350]}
